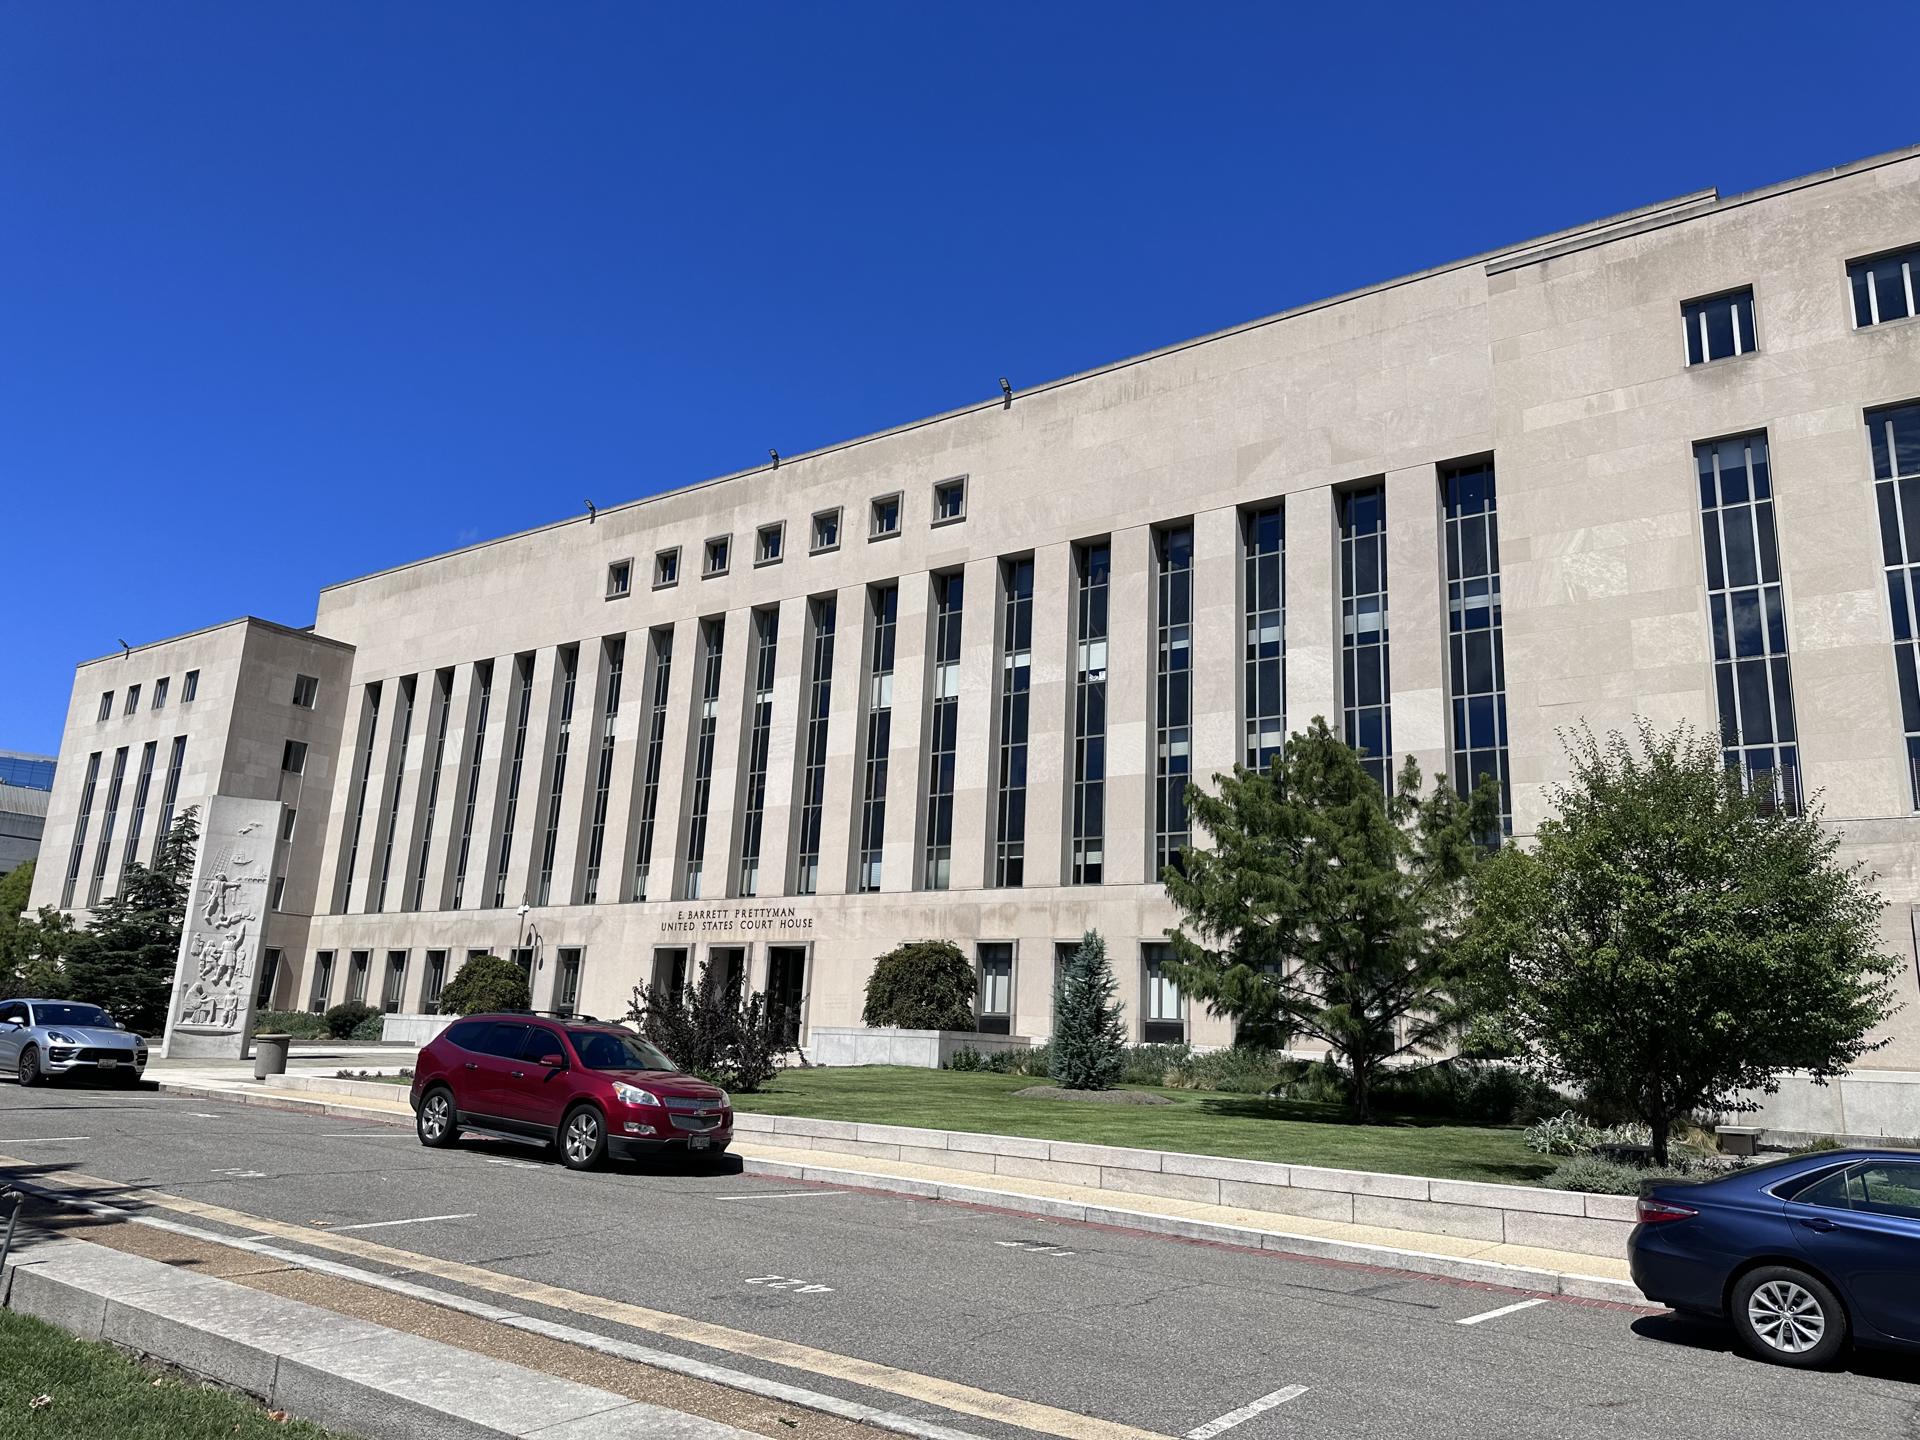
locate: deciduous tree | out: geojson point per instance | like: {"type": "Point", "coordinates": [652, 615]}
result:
{"type": "Point", "coordinates": [1676, 939]}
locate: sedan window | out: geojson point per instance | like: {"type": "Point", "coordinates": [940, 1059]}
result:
{"type": "Point", "coordinates": [1830, 1191]}
{"type": "Point", "coordinates": [1887, 1188]}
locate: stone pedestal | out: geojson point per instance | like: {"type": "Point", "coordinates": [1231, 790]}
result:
{"type": "Point", "coordinates": [215, 978]}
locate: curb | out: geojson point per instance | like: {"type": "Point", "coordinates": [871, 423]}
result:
{"type": "Point", "coordinates": [1570, 1284]}
{"type": "Point", "coordinates": [333, 1370]}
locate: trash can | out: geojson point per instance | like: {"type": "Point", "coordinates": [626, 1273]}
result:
{"type": "Point", "coordinates": [270, 1055]}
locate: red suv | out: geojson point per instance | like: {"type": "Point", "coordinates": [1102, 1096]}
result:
{"type": "Point", "coordinates": [587, 1088]}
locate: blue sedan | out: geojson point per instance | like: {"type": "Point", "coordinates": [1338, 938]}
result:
{"type": "Point", "coordinates": [1801, 1255]}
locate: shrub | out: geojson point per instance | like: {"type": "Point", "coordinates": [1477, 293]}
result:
{"type": "Point", "coordinates": [370, 1029]}
{"type": "Point", "coordinates": [1030, 1061]}
{"type": "Point", "coordinates": [1607, 1177]}
{"type": "Point", "coordinates": [1151, 1064]}
{"type": "Point", "coordinates": [1241, 1070]}
{"type": "Point", "coordinates": [343, 1020]}
{"type": "Point", "coordinates": [922, 985]}
{"type": "Point", "coordinates": [1562, 1134]}
{"type": "Point", "coordinates": [1089, 1045]}
{"type": "Point", "coordinates": [486, 982]}
{"type": "Point", "coordinates": [301, 1024]}
{"type": "Point", "coordinates": [1319, 1082]}
{"type": "Point", "coordinates": [1484, 1093]}
{"type": "Point", "coordinates": [712, 1032]}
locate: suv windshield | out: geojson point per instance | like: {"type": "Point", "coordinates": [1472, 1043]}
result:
{"type": "Point", "coordinates": [616, 1050]}
{"type": "Point", "coordinates": [91, 1015]}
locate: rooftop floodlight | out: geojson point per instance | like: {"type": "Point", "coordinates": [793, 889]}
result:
{"type": "Point", "coordinates": [1006, 394]}
{"type": "Point", "coordinates": [776, 458]}
{"type": "Point", "coordinates": [592, 510]}
{"type": "Point", "coordinates": [125, 649]}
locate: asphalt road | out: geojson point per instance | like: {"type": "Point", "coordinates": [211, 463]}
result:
{"type": "Point", "coordinates": [1141, 1330]}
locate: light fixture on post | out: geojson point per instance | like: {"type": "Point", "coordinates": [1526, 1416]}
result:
{"type": "Point", "coordinates": [592, 511]}
{"type": "Point", "coordinates": [1006, 394]}
{"type": "Point", "coordinates": [776, 458]}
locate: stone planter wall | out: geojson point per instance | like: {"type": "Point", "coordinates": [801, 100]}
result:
{"type": "Point", "coordinates": [923, 1049]}
{"type": "Point", "coordinates": [412, 1029]}
{"type": "Point", "coordinates": [1509, 1214]}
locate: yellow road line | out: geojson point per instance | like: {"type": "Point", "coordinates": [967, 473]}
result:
{"type": "Point", "coordinates": [948, 1394]}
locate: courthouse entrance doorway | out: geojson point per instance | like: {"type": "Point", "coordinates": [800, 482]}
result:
{"type": "Point", "coordinates": [787, 988]}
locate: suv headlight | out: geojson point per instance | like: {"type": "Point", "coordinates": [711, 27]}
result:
{"type": "Point", "coordinates": [634, 1095]}
{"type": "Point", "coordinates": [59, 1039]}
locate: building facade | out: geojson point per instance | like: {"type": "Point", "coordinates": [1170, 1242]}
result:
{"type": "Point", "coordinates": [26, 786]}
{"type": "Point", "coordinates": [951, 680]}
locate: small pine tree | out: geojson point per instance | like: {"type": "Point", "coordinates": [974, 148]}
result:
{"type": "Point", "coordinates": [1089, 1042]}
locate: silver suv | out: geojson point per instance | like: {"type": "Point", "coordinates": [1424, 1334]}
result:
{"type": "Point", "coordinates": [39, 1038]}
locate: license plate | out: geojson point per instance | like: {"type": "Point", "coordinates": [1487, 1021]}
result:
{"type": "Point", "coordinates": [107, 1064]}
{"type": "Point", "coordinates": [698, 1142]}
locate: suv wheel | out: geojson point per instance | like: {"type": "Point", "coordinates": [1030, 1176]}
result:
{"type": "Point", "coordinates": [1788, 1317]}
{"type": "Point", "coordinates": [30, 1066]}
{"type": "Point", "coordinates": [437, 1121]}
{"type": "Point", "coordinates": [583, 1138]}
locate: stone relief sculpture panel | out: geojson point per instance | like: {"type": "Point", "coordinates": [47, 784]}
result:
{"type": "Point", "coordinates": [220, 942]}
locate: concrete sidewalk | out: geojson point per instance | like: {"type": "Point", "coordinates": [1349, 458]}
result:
{"type": "Point", "coordinates": [337, 1371]}
{"type": "Point", "coordinates": [1521, 1267]}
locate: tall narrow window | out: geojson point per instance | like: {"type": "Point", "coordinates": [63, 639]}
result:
{"type": "Point", "coordinates": [483, 682]}
{"type": "Point", "coordinates": [1263, 545]}
{"type": "Point", "coordinates": [1895, 437]}
{"type": "Point", "coordinates": [1092, 563]}
{"type": "Point", "coordinates": [569, 681]}
{"type": "Point", "coordinates": [649, 806]}
{"type": "Point", "coordinates": [1750, 672]}
{"type": "Point", "coordinates": [753, 809]}
{"type": "Point", "coordinates": [397, 778]}
{"type": "Point", "coordinates": [442, 704]}
{"type": "Point", "coordinates": [943, 739]}
{"type": "Point", "coordinates": [616, 663]}
{"type": "Point", "coordinates": [523, 711]}
{"type": "Point", "coordinates": [137, 821]}
{"type": "Point", "coordinates": [369, 730]}
{"type": "Point", "coordinates": [80, 832]}
{"type": "Point", "coordinates": [713, 638]}
{"type": "Point", "coordinates": [994, 995]}
{"type": "Point", "coordinates": [1016, 681]}
{"type": "Point", "coordinates": [432, 981]}
{"type": "Point", "coordinates": [106, 827]}
{"type": "Point", "coordinates": [1476, 654]}
{"type": "Point", "coordinates": [169, 793]}
{"type": "Point", "coordinates": [322, 981]}
{"type": "Point", "coordinates": [1173, 694]}
{"type": "Point", "coordinates": [190, 687]}
{"type": "Point", "coordinates": [566, 982]}
{"type": "Point", "coordinates": [1165, 1008]}
{"type": "Point", "coordinates": [160, 692]}
{"type": "Point", "coordinates": [813, 771]}
{"type": "Point", "coordinates": [394, 989]}
{"type": "Point", "coordinates": [884, 614]}
{"type": "Point", "coordinates": [359, 968]}
{"type": "Point", "coordinates": [1363, 610]}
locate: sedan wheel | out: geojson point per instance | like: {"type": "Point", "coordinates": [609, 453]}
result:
{"type": "Point", "coordinates": [582, 1140]}
{"type": "Point", "coordinates": [436, 1121]}
{"type": "Point", "coordinates": [30, 1066]}
{"type": "Point", "coordinates": [1787, 1316]}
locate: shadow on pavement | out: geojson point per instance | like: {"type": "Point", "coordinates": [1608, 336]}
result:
{"type": "Point", "coordinates": [1712, 1335]}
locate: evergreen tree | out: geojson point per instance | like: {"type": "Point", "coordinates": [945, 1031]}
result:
{"type": "Point", "coordinates": [1327, 907]}
{"type": "Point", "coordinates": [1089, 1048]}
{"type": "Point", "coordinates": [921, 985]}
{"type": "Point", "coordinates": [124, 960]}
{"type": "Point", "coordinates": [1676, 939]}
{"type": "Point", "coordinates": [486, 982]}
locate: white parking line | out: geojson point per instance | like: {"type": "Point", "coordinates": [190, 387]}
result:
{"type": "Point", "coordinates": [46, 1140]}
{"type": "Point", "coordinates": [1246, 1412]}
{"type": "Point", "coordinates": [519, 1164]}
{"type": "Point", "coordinates": [1503, 1310]}
{"type": "Point", "coordinates": [781, 1195]}
{"type": "Point", "coordinates": [416, 1220]}
{"type": "Point", "coordinates": [368, 1134]}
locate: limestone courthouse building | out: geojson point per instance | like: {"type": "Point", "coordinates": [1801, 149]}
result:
{"type": "Point", "coordinates": [950, 680]}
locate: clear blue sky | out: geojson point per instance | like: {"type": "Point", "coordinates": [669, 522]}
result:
{"type": "Point", "coordinates": [290, 292]}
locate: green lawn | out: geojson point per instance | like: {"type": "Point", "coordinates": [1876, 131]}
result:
{"type": "Point", "coordinates": [94, 1390]}
{"type": "Point", "coordinates": [1199, 1122]}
